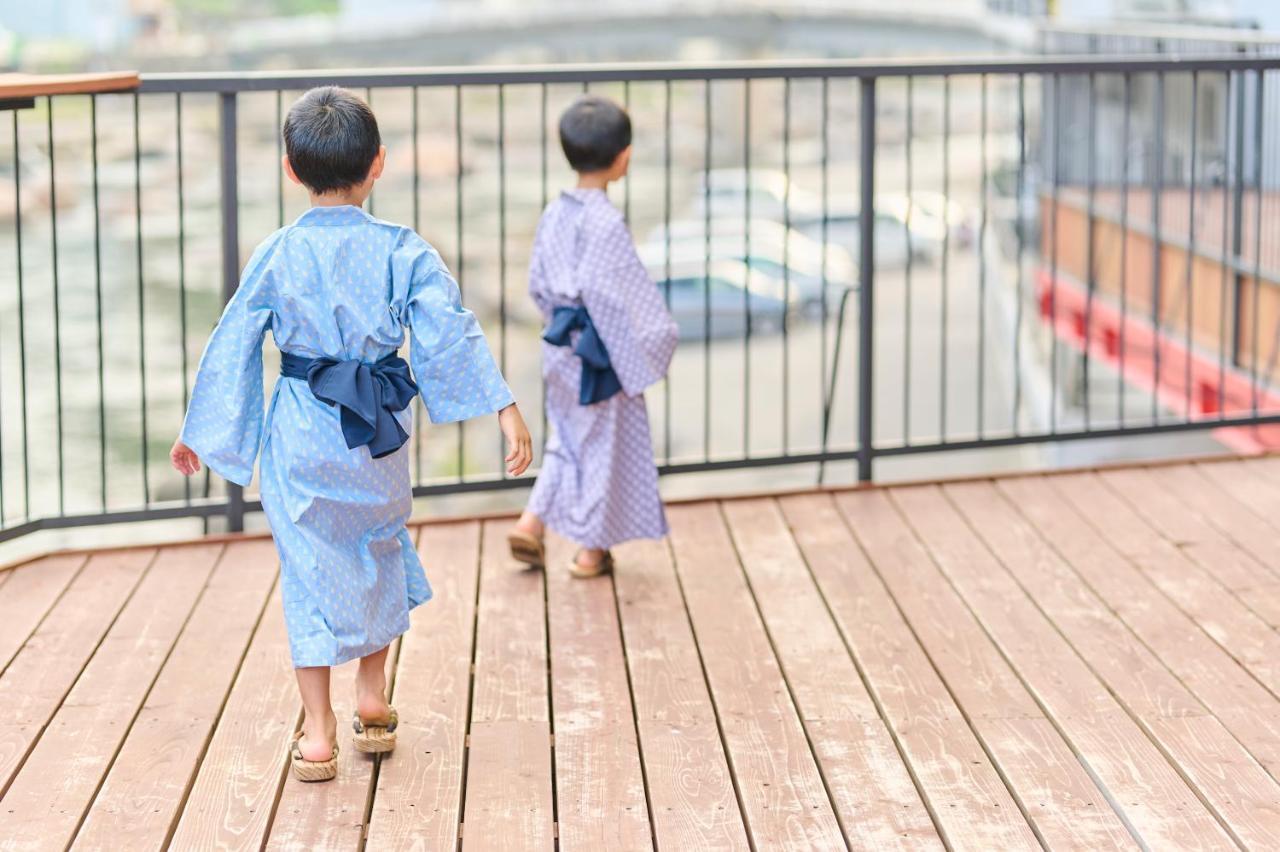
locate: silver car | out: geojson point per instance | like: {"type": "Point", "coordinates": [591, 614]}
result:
{"type": "Point", "coordinates": [722, 299]}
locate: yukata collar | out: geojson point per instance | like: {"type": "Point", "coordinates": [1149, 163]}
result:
{"type": "Point", "coordinates": [343, 214]}
{"type": "Point", "coordinates": [582, 195]}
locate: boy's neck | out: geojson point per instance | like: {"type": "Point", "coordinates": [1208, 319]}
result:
{"type": "Point", "coordinates": [338, 199]}
{"type": "Point", "coordinates": [594, 180]}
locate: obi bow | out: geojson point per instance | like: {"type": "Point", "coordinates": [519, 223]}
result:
{"type": "Point", "coordinates": [367, 395]}
{"type": "Point", "coordinates": [599, 381]}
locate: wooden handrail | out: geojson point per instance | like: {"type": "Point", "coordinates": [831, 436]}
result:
{"type": "Point", "coordinates": [17, 86]}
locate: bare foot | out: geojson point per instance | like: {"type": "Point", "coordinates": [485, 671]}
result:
{"type": "Point", "coordinates": [529, 524]}
{"type": "Point", "coordinates": [590, 557]}
{"type": "Point", "coordinates": [318, 736]}
{"type": "Point", "coordinates": [371, 695]}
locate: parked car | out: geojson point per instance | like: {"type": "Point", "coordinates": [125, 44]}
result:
{"type": "Point", "coordinates": [843, 228]}
{"type": "Point", "coordinates": [714, 298]}
{"type": "Point", "coordinates": [774, 197]}
{"type": "Point", "coordinates": [771, 192]}
{"type": "Point", "coordinates": [801, 263]}
{"type": "Point", "coordinates": [933, 215]}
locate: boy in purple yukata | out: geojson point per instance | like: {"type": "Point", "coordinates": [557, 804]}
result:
{"type": "Point", "coordinates": [608, 337]}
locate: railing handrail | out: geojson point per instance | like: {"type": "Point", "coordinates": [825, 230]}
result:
{"type": "Point", "coordinates": [251, 81]}
{"type": "Point", "coordinates": [19, 86]}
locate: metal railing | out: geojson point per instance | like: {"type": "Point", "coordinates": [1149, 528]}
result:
{"type": "Point", "coordinates": [1004, 291]}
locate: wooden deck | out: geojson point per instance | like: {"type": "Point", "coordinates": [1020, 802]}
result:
{"type": "Point", "coordinates": [1079, 661]}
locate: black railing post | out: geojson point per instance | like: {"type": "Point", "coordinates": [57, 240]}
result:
{"type": "Point", "coordinates": [230, 251]}
{"type": "Point", "coordinates": [866, 276]}
{"type": "Point", "coordinates": [1237, 223]}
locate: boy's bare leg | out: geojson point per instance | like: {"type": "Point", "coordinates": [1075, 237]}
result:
{"type": "Point", "coordinates": [371, 688]}
{"type": "Point", "coordinates": [319, 726]}
{"type": "Point", "coordinates": [530, 524]}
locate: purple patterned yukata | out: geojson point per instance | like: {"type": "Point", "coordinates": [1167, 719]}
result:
{"type": "Point", "coordinates": [598, 485]}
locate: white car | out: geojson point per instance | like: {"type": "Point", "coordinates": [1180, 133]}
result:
{"type": "Point", "coordinates": [809, 269]}
{"type": "Point", "coordinates": [932, 215]}
{"type": "Point", "coordinates": [774, 197]}
{"type": "Point", "coordinates": [772, 193]}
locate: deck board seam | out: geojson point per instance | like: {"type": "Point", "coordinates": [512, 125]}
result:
{"type": "Point", "coordinates": [1162, 593]}
{"type": "Point", "coordinates": [711, 697]}
{"type": "Point", "coordinates": [996, 767]}
{"type": "Point", "coordinates": [367, 819]}
{"type": "Point", "coordinates": [1200, 471]}
{"type": "Point", "coordinates": [282, 776]}
{"type": "Point", "coordinates": [217, 720]}
{"type": "Point", "coordinates": [1200, 567]}
{"type": "Point", "coordinates": [870, 689]}
{"type": "Point", "coordinates": [471, 688]}
{"type": "Point", "coordinates": [1120, 702]}
{"type": "Point", "coordinates": [35, 740]}
{"type": "Point", "coordinates": [635, 713]}
{"type": "Point", "coordinates": [84, 560]}
{"type": "Point", "coordinates": [782, 671]}
{"type": "Point", "coordinates": [133, 720]}
{"type": "Point", "coordinates": [551, 710]}
{"type": "Point", "coordinates": [1196, 791]}
{"type": "Point", "coordinates": [1251, 511]}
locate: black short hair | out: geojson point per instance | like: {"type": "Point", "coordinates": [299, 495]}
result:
{"type": "Point", "coordinates": [332, 139]}
{"type": "Point", "coordinates": [593, 132]}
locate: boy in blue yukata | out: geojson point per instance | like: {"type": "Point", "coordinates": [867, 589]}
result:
{"type": "Point", "coordinates": [338, 289]}
{"type": "Point", "coordinates": [608, 337]}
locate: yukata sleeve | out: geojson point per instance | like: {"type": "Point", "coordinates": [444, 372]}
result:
{"type": "Point", "coordinates": [451, 361]}
{"type": "Point", "coordinates": [225, 416]}
{"type": "Point", "coordinates": [628, 311]}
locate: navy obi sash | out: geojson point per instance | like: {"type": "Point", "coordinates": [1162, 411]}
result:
{"type": "Point", "coordinates": [368, 395]}
{"type": "Point", "coordinates": [599, 381]}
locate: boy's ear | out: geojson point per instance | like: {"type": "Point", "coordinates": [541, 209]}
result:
{"type": "Point", "coordinates": [622, 162]}
{"type": "Point", "coordinates": [288, 170]}
{"type": "Point", "coordinates": [379, 162]}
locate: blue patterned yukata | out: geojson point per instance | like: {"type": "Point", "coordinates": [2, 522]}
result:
{"type": "Point", "coordinates": [337, 284]}
{"type": "Point", "coordinates": [598, 485]}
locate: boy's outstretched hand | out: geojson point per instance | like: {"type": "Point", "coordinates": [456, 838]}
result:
{"type": "Point", "coordinates": [184, 459]}
{"type": "Point", "coordinates": [519, 444]}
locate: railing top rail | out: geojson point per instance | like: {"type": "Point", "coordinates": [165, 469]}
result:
{"type": "Point", "coordinates": [248, 81]}
{"type": "Point", "coordinates": [15, 86]}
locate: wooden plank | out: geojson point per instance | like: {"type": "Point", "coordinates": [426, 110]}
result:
{"type": "Point", "coordinates": [1225, 510]}
{"type": "Point", "coordinates": [1041, 772]}
{"type": "Point", "coordinates": [1241, 633]}
{"type": "Point", "coordinates": [1141, 783]}
{"type": "Point", "coordinates": [13, 86]}
{"type": "Point", "coordinates": [330, 815]}
{"type": "Point", "coordinates": [967, 799]}
{"type": "Point", "coordinates": [28, 593]}
{"type": "Point", "coordinates": [780, 787]}
{"type": "Point", "coordinates": [1168, 505]}
{"type": "Point", "coordinates": [691, 797]}
{"type": "Point", "coordinates": [1249, 487]}
{"type": "Point", "coordinates": [140, 799]}
{"type": "Point", "coordinates": [419, 788]}
{"type": "Point", "coordinates": [1243, 706]}
{"type": "Point", "coordinates": [233, 798]}
{"type": "Point", "coordinates": [508, 802]}
{"type": "Point", "coordinates": [39, 677]}
{"type": "Point", "coordinates": [873, 793]}
{"type": "Point", "coordinates": [600, 791]}
{"type": "Point", "coordinates": [49, 797]}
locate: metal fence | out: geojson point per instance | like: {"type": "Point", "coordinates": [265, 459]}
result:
{"type": "Point", "coordinates": [996, 298]}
